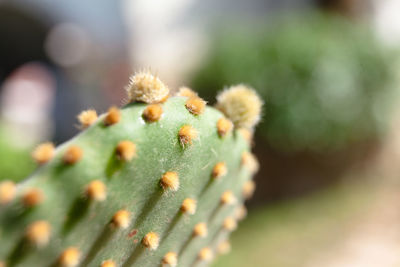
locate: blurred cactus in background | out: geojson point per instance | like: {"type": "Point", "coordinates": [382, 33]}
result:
{"type": "Point", "coordinates": [160, 181]}
{"type": "Point", "coordinates": [327, 81]}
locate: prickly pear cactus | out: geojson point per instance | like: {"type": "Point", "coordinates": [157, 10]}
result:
{"type": "Point", "coordinates": [160, 181]}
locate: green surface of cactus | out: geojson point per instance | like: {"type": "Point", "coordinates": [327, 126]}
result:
{"type": "Point", "coordinates": [84, 221]}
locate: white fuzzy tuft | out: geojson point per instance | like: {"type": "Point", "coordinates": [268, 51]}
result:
{"type": "Point", "coordinates": [144, 87]}
{"type": "Point", "coordinates": [241, 104]}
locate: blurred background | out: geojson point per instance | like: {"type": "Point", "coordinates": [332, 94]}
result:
{"type": "Point", "coordinates": [328, 192]}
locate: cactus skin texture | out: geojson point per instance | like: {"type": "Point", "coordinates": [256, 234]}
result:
{"type": "Point", "coordinates": [129, 191]}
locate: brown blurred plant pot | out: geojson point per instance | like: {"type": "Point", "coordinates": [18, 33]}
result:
{"type": "Point", "coordinates": [284, 175]}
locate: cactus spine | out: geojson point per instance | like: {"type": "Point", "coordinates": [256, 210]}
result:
{"type": "Point", "coordinates": [157, 182]}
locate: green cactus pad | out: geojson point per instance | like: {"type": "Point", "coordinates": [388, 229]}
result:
{"type": "Point", "coordinates": [84, 221]}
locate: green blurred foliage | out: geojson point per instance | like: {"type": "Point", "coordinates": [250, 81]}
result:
{"type": "Point", "coordinates": [15, 163]}
{"type": "Point", "coordinates": [326, 81]}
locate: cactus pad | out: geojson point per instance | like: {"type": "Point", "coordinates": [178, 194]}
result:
{"type": "Point", "coordinates": [150, 184]}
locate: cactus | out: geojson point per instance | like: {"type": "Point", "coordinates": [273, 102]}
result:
{"type": "Point", "coordinates": [160, 181]}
